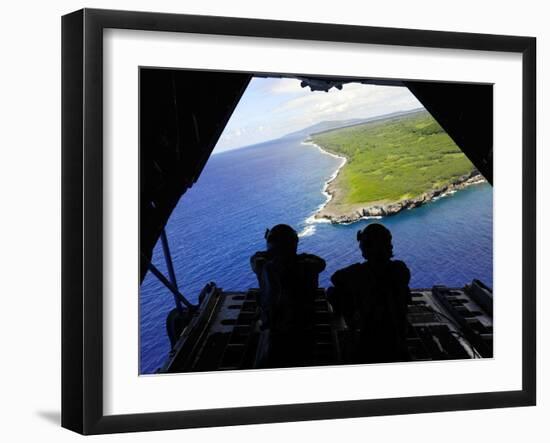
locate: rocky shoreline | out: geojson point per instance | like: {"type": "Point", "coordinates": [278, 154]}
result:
{"type": "Point", "coordinates": [382, 210]}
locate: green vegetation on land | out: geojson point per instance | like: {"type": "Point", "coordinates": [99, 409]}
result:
{"type": "Point", "coordinates": [393, 159]}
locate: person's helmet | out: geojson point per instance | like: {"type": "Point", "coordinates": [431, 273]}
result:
{"type": "Point", "coordinates": [281, 238]}
{"type": "Point", "coordinates": [375, 241]}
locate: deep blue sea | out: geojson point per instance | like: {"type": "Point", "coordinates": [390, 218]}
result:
{"type": "Point", "coordinates": [220, 222]}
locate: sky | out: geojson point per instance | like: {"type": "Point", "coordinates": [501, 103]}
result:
{"type": "Point", "coordinates": [273, 107]}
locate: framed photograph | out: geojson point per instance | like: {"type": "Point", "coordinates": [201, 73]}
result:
{"type": "Point", "coordinates": [269, 221]}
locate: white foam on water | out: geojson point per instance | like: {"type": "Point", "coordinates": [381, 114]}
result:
{"type": "Point", "coordinates": [307, 231]}
{"type": "Point", "coordinates": [312, 218]}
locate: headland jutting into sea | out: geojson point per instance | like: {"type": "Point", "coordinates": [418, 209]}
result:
{"type": "Point", "coordinates": [334, 210]}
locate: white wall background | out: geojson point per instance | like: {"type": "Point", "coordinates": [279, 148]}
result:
{"type": "Point", "coordinates": [30, 217]}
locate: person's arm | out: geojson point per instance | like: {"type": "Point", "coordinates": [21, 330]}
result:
{"type": "Point", "coordinates": [340, 293]}
{"type": "Point", "coordinates": [403, 276]}
{"type": "Point", "coordinates": [334, 295]}
{"type": "Point", "coordinates": [257, 262]}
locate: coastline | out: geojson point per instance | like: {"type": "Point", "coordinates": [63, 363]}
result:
{"type": "Point", "coordinates": [326, 191]}
{"type": "Point", "coordinates": [377, 210]}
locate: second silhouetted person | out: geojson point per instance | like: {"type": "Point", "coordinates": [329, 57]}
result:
{"type": "Point", "coordinates": [372, 297]}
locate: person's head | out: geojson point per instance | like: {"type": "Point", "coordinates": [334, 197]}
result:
{"type": "Point", "coordinates": [375, 242]}
{"type": "Point", "coordinates": [281, 240]}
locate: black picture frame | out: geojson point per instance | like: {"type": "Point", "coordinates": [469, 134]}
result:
{"type": "Point", "coordinates": [82, 220]}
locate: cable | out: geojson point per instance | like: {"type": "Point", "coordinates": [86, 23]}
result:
{"type": "Point", "coordinates": [474, 352]}
{"type": "Point", "coordinates": [456, 325]}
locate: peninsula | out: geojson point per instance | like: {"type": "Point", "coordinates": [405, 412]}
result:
{"type": "Point", "coordinates": [389, 165]}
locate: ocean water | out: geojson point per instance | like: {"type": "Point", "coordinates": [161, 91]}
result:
{"type": "Point", "coordinates": [220, 223]}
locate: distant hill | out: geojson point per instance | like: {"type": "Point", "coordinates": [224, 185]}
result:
{"type": "Point", "coordinates": [330, 125]}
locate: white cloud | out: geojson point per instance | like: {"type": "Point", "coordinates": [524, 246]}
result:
{"type": "Point", "coordinates": [353, 97]}
{"type": "Point", "coordinates": [285, 86]}
{"type": "Point", "coordinates": [275, 108]}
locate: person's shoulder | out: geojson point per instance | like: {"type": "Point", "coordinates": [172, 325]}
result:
{"type": "Point", "coordinates": [259, 255]}
{"type": "Point", "coordinates": [355, 267]}
{"type": "Point", "coordinates": [347, 273]}
{"type": "Point", "coordinates": [401, 270]}
{"type": "Point", "coordinates": [399, 265]}
{"type": "Point", "coordinates": [312, 260]}
{"type": "Point", "coordinates": [309, 257]}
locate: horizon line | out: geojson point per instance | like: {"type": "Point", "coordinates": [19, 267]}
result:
{"type": "Point", "coordinates": [422, 108]}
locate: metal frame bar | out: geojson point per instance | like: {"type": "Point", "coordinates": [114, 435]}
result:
{"type": "Point", "coordinates": [170, 266]}
{"type": "Point", "coordinates": [178, 296]}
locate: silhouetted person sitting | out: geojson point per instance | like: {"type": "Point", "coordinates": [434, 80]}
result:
{"type": "Point", "coordinates": [288, 282]}
{"type": "Point", "coordinates": [372, 297]}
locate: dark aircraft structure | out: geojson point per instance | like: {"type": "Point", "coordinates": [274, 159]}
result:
{"type": "Point", "coordinates": [182, 115]}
